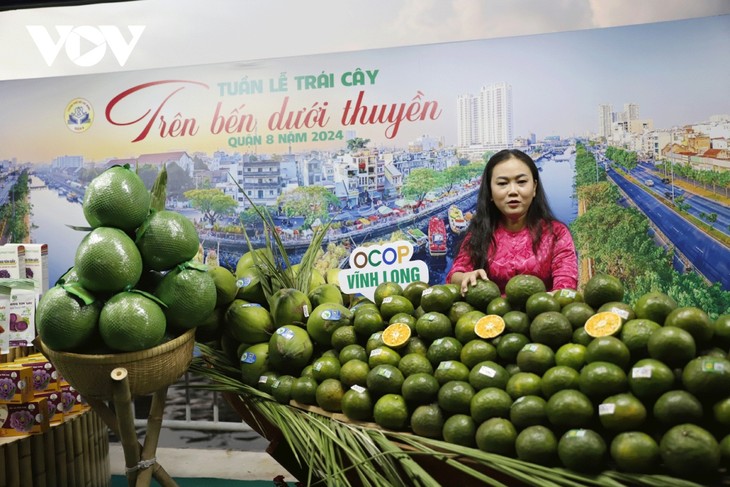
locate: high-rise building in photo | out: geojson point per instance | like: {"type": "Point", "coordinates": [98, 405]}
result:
{"type": "Point", "coordinates": [486, 120]}
{"type": "Point", "coordinates": [605, 120]}
{"type": "Point", "coordinates": [631, 111]}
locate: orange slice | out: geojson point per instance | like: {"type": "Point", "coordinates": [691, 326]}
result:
{"type": "Point", "coordinates": [603, 324]}
{"type": "Point", "coordinates": [396, 335]}
{"type": "Point", "coordinates": [489, 326]}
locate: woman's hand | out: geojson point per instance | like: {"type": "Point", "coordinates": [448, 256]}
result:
{"type": "Point", "coordinates": [470, 279]}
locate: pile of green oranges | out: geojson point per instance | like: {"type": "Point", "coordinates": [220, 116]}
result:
{"type": "Point", "coordinates": [573, 378]}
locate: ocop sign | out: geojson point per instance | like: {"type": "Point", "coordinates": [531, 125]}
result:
{"type": "Point", "coordinates": [376, 264]}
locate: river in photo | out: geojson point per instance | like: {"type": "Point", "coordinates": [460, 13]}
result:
{"type": "Point", "coordinates": [51, 213]}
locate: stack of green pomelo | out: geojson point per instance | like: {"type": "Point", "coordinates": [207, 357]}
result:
{"type": "Point", "coordinates": [133, 284]}
{"type": "Point", "coordinates": [570, 378]}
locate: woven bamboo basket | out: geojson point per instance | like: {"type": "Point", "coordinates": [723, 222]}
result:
{"type": "Point", "coordinates": [148, 370]}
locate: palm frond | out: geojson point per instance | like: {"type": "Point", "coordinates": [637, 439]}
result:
{"type": "Point", "coordinates": [277, 273]}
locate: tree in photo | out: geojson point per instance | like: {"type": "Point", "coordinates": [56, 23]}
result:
{"type": "Point", "coordinates": [419, 182]}
{"type": "Point", "coordinates": [312, 202]}
{"type": "Point", "coordinates": [213, 203]}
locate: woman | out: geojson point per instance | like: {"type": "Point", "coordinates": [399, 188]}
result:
{"type": "Point", "coordinates": [514, 231]}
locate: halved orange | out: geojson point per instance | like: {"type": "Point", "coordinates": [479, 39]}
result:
{"type": "Point", "coordinates": [603, 324]}
{"type": "Point", "coordinates": [396, 335]}
{"type": "Point", "coordinates": [489, 326]}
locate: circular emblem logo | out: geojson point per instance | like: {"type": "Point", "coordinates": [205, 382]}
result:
{"type": "Point", "coordinates": [78, 115]}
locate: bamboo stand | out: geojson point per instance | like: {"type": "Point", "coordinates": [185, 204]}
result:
{"type": "Point", "coordinates": [139, 459]}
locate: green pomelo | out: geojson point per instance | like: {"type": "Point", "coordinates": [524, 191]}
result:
{"type": "Point", "coordinates": [212, 328]}
{"type": "Point", "coordinates": [289, 306]}
{"type": "Point", "coordinates": [325, 319]}
{"type": "Point", "coordinates": [190, 296]}
{"type": "Point", "coordinates": [251, 258]}
{"type": "Point", "coordinates": [130, 322]}
{"type": "Point", "coordinates": [107, 261]}
{"type": "Point", "coordinates": [64, 322]}
{"type": "Point", "coordinates": [315, 280]}
{"type": "Point", "coordinates": [325, 293]}
{"type": "Point", "coordinates": [225, 285]}
{"type": "Point", "coordinates": [290, 349]}
{"type": "Point", "coordinates": [254, 362]}
{"type": "Point", "coordinates": [249, 285]}
{"type": "Point", "coordinates": [167, 239]}
{"type": "Point", "coordinates": [116, 198]}
{"type": "Point", "coordinates": [248, 322]}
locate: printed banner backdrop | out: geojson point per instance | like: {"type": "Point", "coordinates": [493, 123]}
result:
{"type": "Point", "coordinates": [358, 125]}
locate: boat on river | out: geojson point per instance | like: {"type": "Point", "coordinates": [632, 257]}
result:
{"type": "Point", "coordinates": [436, 237]}
{"type": "Point", "coordinates": [72, 197]}
{"type": "Point", "coordinates": [418, 238]}
{"type": "Point", "coordinates": [457, 222]}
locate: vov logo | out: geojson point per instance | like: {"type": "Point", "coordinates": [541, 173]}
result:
{"type": "Point", "coordinates": [85, 45]}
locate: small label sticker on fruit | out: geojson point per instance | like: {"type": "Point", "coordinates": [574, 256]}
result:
{"type": "Point", "coordinates": [445, 365]}
{"type": "Point", "coordinates": [426, 292]}
{"type": "Point", "coordinates": [438, 341]}
{"type": "Point", "coordinates": [250, 305]}
{"type": "Point", "coordinates": [358, 389]}
{"type": "Point", "coordinates": [621, 312]}
{"type": "Point", "coordinates": [431, 317]}
{"type": "Point", "coordinates": [376, 351]}
{"type": "Point", "coordinates": [376, 336]}
{"type": "Point", "coordinates": [641, 372]}
{"type": "Point", "coordinates": [577, 433]}
{"type": "Point", "coordinates": [285, 333]}
{"type": "Point", "coordinates": [530, 347]}
{"type": "Point", "coordinates": [263, 379]}
{"type": "Point", "coordinates": [243, 282]}
{"type": "Point", "coordinates": [275, 384]}
{"type": "Point", "coordinates": [568, 293]}
{"type": "Point", "coordinates": [606, 408]}
{"type": "Point", "coordinates": [334, 314]}
{"type": "Point", "coordinates": [488, 371]}
{"type": "Point", "coordinates": [248, 358]}
{"type": "Point", "coordinates": [385, 372]}
{"type": "Point", "coordinates": [387, 300]}
{"type": "Point", "coordinates": [305, 310]}
{"type": "Point", "coordinates": [318, 366]}
{"type": "Point", "coordinates": [713, 366]}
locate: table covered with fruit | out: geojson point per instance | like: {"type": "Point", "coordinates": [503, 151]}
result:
{"type": "Point", "coordinates": [424, 386]}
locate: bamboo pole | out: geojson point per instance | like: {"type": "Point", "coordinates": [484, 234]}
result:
{"type": "Point", "coordinates": [26, 470]}
{"type": "Point", "coordinates": [110, 420]}
{"type": "Point", "coordinates": [3, 471]}
{"type": "Point", "coordinates": [59, 446]}
{"type": "Point", "coordinates": [154, 424]}
{"type": "Point", "coordinates": [38, 462]}
{"type": "Point", "coordinates": [50, 456]}
{"type": "Point", "coordinates": [86, 457]}
{"type": "Point", "coordinates": [13, 464]}
{"type": "Point", "coordinates": [69, 442]}
{"type": "Point", "coordinates": [93, 454]}
{"type": "Point", "coordinates": [78, 456]}
{"type": "Point", "coordinates": [128, 435]}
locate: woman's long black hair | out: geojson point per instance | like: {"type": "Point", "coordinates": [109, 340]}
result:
{"type": "Point", "coordinates": [487, 215]}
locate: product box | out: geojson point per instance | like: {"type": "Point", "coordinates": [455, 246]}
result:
{"type": "Point", "coordinates": [55, 405]}
{"type": "Point", "coordinates": [12, 261]}
{"type": "Point", "coordinates": [36, 265]}
{"type": "Point", "coordinates": [21, 316]}
{"type": "Point", "coordinates": [45, 376]}
{"type": "Point", "coordinates": [15, 384]}
{"type": "Point", "coordinates": [24, 419]}
{"type": "Point", "coordinates": [72, 400]}
{"type": "Point", "coordinates": [4, 319]}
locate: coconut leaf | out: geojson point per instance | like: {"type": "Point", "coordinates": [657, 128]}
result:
{"type": "Point", "coordinates": [159, 190]}
{"type": "Point", "coordinates": [276, 273]}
